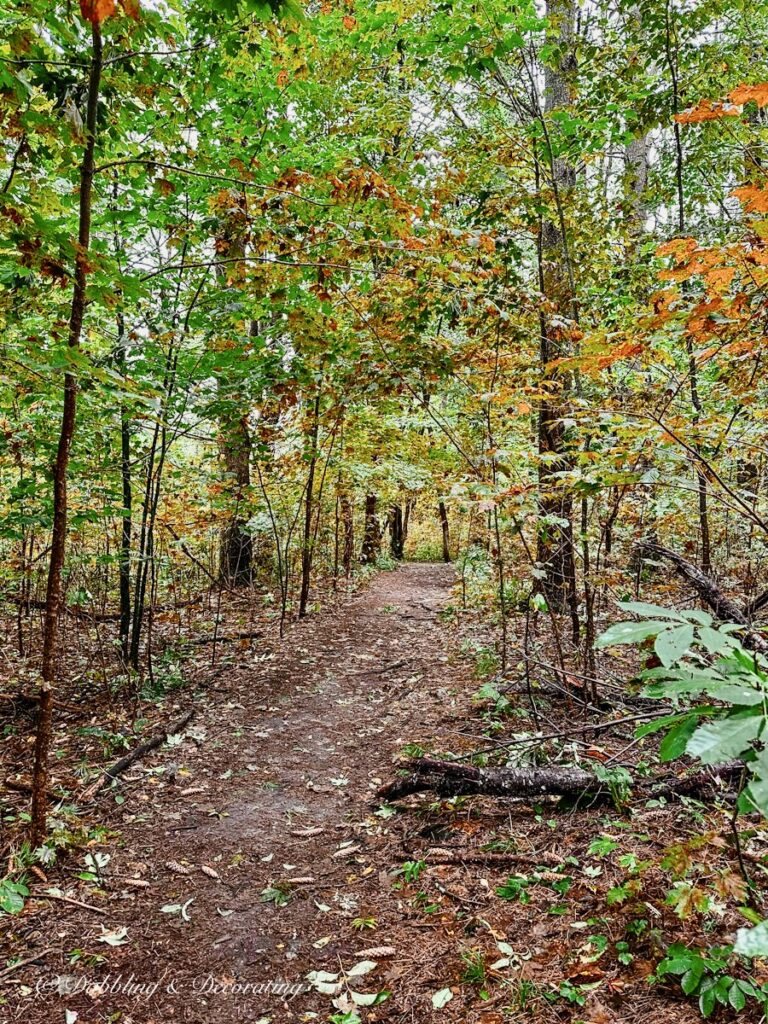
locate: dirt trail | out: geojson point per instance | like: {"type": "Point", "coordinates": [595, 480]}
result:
{"type": "Point", "coordinates": [273, 784]}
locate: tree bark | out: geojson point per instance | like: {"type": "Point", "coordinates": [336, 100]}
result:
{"type": "Point", "coordinates": [236, 544]}
{"type": "Point", "coordinates": [126, 523]}
{"type": "Point", "coordinates": [450, 778]}
{"type": "Point", "coordinates": [66, 434]}
{"type": "Point", "coordinates": [445, 529]}
{"type": "Point", "coordinates": [236, 549]}
{"type": "Point", "coordinates": [396, 531]}
{"type": "Point", "coordinates": [555, 550]}
{"type": "Point", "coordinates": [693, 370]}
{"type": "Point", "coordinates": [307, 544]}
{"type": "Point", "coordinates": [371, 532]}
{"type": "Point", "coordinates": [348, 524]}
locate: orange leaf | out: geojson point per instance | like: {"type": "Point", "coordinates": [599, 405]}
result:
{"type": "Point", "coordinates": [755, 199]}
{"type": "Point", "coordinates": [349, 22]}
{"type": "Point", "coordinates": [707, 110]}
{"type": "Point", "coordinates": [750, 94]}
{"type": "Point", "coordinates": [719, 278]}
{"type": "Point", "coordinates": [677, 247]}
{"type": "Point", "coordinates": [96, 11]}
{"type": "Point", "coordinates": [282, 79]}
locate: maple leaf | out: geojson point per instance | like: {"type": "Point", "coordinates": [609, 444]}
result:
{"type": "Point", "coordinates": [707, 110]}
{"type": "Point", "coordinates": [750, 94]}
{"type": "Point", "coordinates": [282, 79]}
{"type": "Point", "coordinates": [719, 278]}
{"type": "Point", "coordinates": [755, 199]}
{"type": "Point", "coordinates": [349, 22]}
{"type": "Point", "coordinates": [96, 11]}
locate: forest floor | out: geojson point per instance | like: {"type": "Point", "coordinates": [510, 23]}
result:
{"type": "Point", "coordinates": [254, 850]}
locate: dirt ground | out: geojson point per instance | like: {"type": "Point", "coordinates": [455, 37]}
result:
{"type": "Point", "coordinates": [254, 851]}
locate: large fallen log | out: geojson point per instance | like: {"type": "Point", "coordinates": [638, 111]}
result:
{"type": "Point", "coordinates": [453, 778]}
{"type": "Point", "coordinates": [724, 607]}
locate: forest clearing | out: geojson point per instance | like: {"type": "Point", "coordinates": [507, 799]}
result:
{"type": "Point", "coordinates": [384, 511]}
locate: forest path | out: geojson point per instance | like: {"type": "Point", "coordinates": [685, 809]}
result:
{"type": "Point", "coordinates": [275, 782]}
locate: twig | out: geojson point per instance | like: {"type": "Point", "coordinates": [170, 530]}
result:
{"type": "Point", "coordinates": [29, 960]}
{"type": "Point", "coordinates": [67, 899]}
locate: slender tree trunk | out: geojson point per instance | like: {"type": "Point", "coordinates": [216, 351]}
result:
{"type": "Point", "coordinates": [236, 543]}
{"type": "Point", "coordinates": [307, 543]}
{"type": "Point", "coordinates": [445, 528]}
{"type": "Point", "coordinates": [396, 534]}
{"type": "Point", "coordinates": [347, 519]}
{"type": "Point", "coordinates": [693, 373]}
{"type": "Point", "coordinates": [636, 163]}
{"type": "Point", "coordinates": [236, 547]}
{"type": "Point", "coordinates": [151, 501]}
{"type": "Point", "coordinates": [407, 519]}
{"type": "Point", "coordinates": [126, 525]}
{"type": "Point", "coordinates": [67, 431]}
{"type": "Point", "coordinates": [555, 548]}
{"type": "Point", "coordinates": [371, 533]}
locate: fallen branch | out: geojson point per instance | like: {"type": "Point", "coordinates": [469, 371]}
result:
{"type": "Point", "coordinates": [723, 606]}
{"type": "Point", "coordinates": [193, 558]}
{"type": "Point", "coordinates": [439, 855]}
{"type": "Point", "coordinates": [24, 963]}
{"type": "Point", "coordinates": [66, 899]}
{"type": "Point", "coordinates": [154, 741]}
{"type": "Point", "coordinates": [451, 778]}
{"type": "Point", "coordinates": [226, 638]}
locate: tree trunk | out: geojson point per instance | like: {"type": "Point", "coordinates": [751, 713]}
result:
{"type": "Point", "coordinates": [407, 518]}
{"type": "Point", "coordinates": [443, 513]}
{"type": "Point", "coordinates": [636, 163]}
{"type": "Point", "coordinates": [126, 523]}
{"type": "Point", "coordinates": [236, 544]}
{"type": "Point", "coordinates": [555, 550]}
{"type": "Point", "coordinates": [348, 523]}
{"type": "Point", "coordinates": [371, 533]}
{"type": "Point", "coordinates": [396, 531]}
{"type": "Point", "coordinates": [693, 369]}
{"type": "Point", "coordinates": [307, 545]}
{"type": "Point", "coordinates": [66, 434]}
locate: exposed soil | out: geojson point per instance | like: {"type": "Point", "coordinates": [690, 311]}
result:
{"type": "Point", "coordinates": [272, 793]}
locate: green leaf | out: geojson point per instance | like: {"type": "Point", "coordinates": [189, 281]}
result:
{"type": "Point", "coordinates": [629, 633]}
{"type": "Point", "coordinates": [715, 641]}
{"type": "Point", "coordinates": [708, 999]}
{"type": "Point", "coordinates": [725, 738]}
{"type": "Point", "coordinates": [650, 610]}
{"type": "Point", "coordinates": [694, 615]}
{"type": "Point", "coordinates": [691, 979]}
{"type": "Point", "coordinates": [675, 742]}
{"type": "Point", "coordinates": [648, 728]}
{"type": "Point", "coordinates": [672, 644]}
{"type": "Point", "coordinates": [736, 998]}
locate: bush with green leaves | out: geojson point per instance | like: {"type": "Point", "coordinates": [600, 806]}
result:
{"type": "Point", "coordinates": [706, 974]}
{"type": "Point", "coordinates": [720, 689]}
